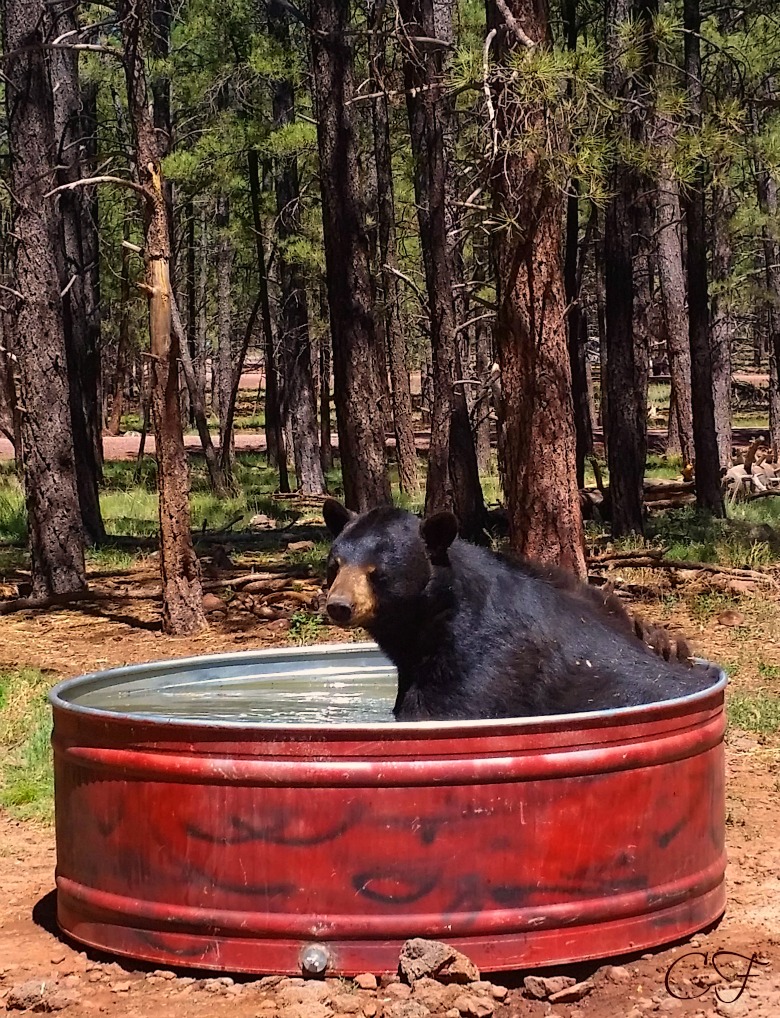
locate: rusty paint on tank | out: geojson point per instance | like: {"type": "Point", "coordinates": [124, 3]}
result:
{"type": "Point", "coordinates": [235, 847]}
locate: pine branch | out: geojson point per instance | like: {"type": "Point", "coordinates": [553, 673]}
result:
{"type": "Point", "coordinates": [87, 181]}
{"type": "Point", "coordinates": [512, 25]}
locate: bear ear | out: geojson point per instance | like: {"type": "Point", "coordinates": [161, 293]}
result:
{"type": "Point", "coordinates": [438, 532]}
{"type": "Point", "coordinates": [336, 515]}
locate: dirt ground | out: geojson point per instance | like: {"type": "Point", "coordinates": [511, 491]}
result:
{"type": "Point", "coordinates": [40, 969]}
{"type": "Point", "coordinates": [125, 447]}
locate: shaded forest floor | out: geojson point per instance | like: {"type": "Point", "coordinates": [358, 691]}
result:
{"type": "Point", "coordinates": [281, 541]}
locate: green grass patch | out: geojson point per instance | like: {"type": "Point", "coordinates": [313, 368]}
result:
{"type": "Point", "coordinates": [255, 422]}
{"type": "Point", "coordinates": [131, 422]}
{"type": "Point", "coordinates": [12, 560]}
{"type": "Point", "coordinates": [110, 560]}
{"type": "Point", "coordinates": [768, 671]}
{"type": "Point", "coordinates": [13, 513]}
{"type": "Point", "coordinates": [746, 540]}
{"type": "Point", "coordinates": [758, 420]}
{"type": "Point", "coordinates": [705, 606]}
{"type": "Point", "coordinates": [663, 467]}
{"type": "Point", "coordinates": [26, 776]}
{"type": "Point", "coordinates": [315, 558]}
{"type": "Point", "coordinates": [754, 712]}
{"type": "Point", "coordinates": [305, 627]}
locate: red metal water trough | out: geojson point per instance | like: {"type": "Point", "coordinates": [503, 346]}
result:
{"type": "Point", "coordinates": [265, 847]}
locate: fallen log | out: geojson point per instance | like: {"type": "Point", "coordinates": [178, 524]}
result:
{"type": "Point", "coordinates": [619, 556]}
{"type": "Point", "coordinates": [267, 580]}
{"type": "Point", "coordinates": [762, 494]}
{"type": "Point", "coordinates": [671, 503]}
{"type": "Point", "coordinates": [661, 489]}
{"type": "Point", "coordinates": [643, 561]}
{"type": "Point", "coordinates": [19, 604]}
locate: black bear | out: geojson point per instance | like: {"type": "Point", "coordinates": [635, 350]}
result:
{"type": "Point", "coordinates": [475, 635]}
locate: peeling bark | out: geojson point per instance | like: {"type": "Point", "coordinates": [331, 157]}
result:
{"type": "Point", "coordinates": [181, 581]}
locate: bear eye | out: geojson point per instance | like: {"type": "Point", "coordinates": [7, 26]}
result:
{"type": "Point", "coordinates": [332, 570]}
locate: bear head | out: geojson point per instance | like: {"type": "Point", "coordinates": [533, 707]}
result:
{"type": "Point", "coordinates": [382, 562]}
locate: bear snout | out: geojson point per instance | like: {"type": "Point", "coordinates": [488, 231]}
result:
{"type": "Point", "coordinates": [351, 600]}
{"type": "Point", "coordinates": [340, 610]}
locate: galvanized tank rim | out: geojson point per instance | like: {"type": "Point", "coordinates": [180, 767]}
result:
{"type": "Point", "coordinates": [616, 715]}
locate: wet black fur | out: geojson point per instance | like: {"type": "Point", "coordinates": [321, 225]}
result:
{"type": "Point", "coordinates": [477, 635]}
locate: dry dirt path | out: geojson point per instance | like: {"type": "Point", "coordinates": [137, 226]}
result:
{"type": "Point", "coordinates": [125, 447]}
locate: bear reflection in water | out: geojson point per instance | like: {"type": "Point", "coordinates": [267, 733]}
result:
{"type": "Point", "coordinates": [477, 635]}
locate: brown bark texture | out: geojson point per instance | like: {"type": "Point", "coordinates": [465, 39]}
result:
{"type": "Point", "coordinates": [453, 477]}
{"type": "Point", "coordinates": [294, 312]}
{"type": "Point", "coordinates": [274, 431]}
{"type": "Point", "coordinates": [119, 379]}
{"type": "Point", "coordinates": [671, 276]}
{"type": "Point", "coordinates": [355, 361]}
{"type": "Point", "coordinates": [707, 473]}
{"type": "Point", "coordinates": [54, 518]}
{"type": "Point", "coordinates": [77, 250]}
{"type": "Point", "coordinates": [536, 410]}
{"type": "Point", "coordinates": [626, 346]}
{"type": "Point", "coordinates": [577, 335]}
{"type": "Point", "coordinates": [406, 453]}
{"type": "Point", "coordinates": [326, 441]}
{"type": "Point", "coordinates": [181, 582]}
{"type": "Point", "coordinates": [224, 327]}
{"type": "Point", "coordinates": [483, 363]}
{"type": "Point", "coordinates": [722, 321]}
{"type": "Point", "coordinates": [767, 197]}
{"type": "Point", "coordinates": [576, 321]}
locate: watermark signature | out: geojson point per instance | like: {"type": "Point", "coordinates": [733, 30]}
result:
{"type": "Point", "coordinates": [730, 966]}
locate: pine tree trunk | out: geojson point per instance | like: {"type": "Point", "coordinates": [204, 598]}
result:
{"type": "Point", "coordinates": [181, 583]}
{"type": "Point", "coordinates": [370, 215]}
{"type": "Point", "coordinates": [483, 363]}
{"type": "Point", "coordinates": [627, 355]}
{"type": "Point", "coordinates": [193, 370]}
{"type": "Point", "coordinates": [220, 475]}
{"type": "Point", "coordinates": [202, 343]}
{"type": "Point", "coordinates": [536, 415]}
{"type": "Point", "coordinates": [326, 439]}
{"type": "Point", "coordinates": [453, 476]}
{"type": "Point", "coordinates": [673, 447]}
{"type": "Point", "coordinates": [601, 320]}
{"type": "Point", "coordinates": [224, 260]}
{"type": "Point", "coordinates": [768, 202]}
{"type": "Point", "coordinates": [577, 337]}
{"type": "Point", "coordinates": [671, 273]}
{"type": "Point", "coordinates": [276, 449]}
{"type": "Point", "coordinates": [90, 239]}
{"type": "Point", "coordinates": [577, 333]}
{"type": "Point", "coordinates": [406, 453]}
{"type": "Point", "coordinates": [722, 322]}
{"type": "Point", "coordinates": [12, 422]}
{"type": "Point", "coordinates": [707, 474]}
{"type": "Point", "coordinates": [53, 513]}
{"type": "Point", "coordinates": [294, 317]}
{"type": "Point", "coordinates": [358, 388]}
{"type": "Point", "coordinates": [192, 295]}
{"type": "Point", "coordinates": [774, 387]}
{"type": "Point", "coordinates": [80, 308]}
{"type": "Point", "coordinates": [123, 346]}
